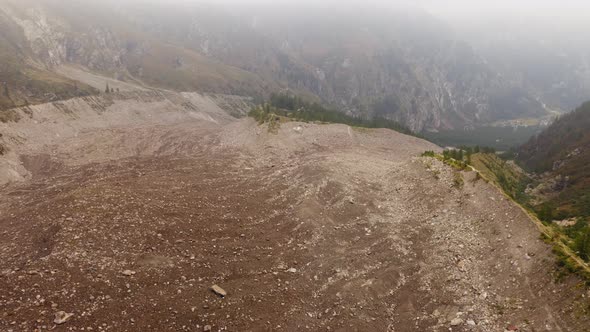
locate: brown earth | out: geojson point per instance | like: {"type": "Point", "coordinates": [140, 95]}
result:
{"type": "Point", "coordinates": [318, 227]}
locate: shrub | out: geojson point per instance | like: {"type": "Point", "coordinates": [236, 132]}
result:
{"type": "Point", "coordinates": [428, 153]}
{"type": "Point", "coordinates": [458, 181]}
{"type": "Point", "coordinates": [582, 243]}
{"type": "Point", "coordinates": [545, 212]}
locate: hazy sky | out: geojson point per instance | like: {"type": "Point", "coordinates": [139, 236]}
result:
{"type": "Point", "coordinates": [530, 7]}
{"type": "Point", "coordinates": [450, 4]}
{"type": "Point", "coordinates": [451, 8]}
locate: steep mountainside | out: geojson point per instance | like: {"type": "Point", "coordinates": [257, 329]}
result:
{"type": "Point", "coordinates": [402, 64]}
{"type": "Point", "coordinates": [397, 63]}
{"type": "Point", "coordinates": [99, 39]}
{"type": "Point", "coordinates": [548, 55]}
{"type": "Point", "coordinates": [23, 80]}
{"type": "Point", "coordinates": [563, 152]}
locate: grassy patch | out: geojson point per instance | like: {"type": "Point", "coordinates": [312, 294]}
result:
{"type": "Point", "coordinates": [509, 177]}
{"type": "Point", "coordinates": [566, 264]}
{"type": "Point", "coordinates": [361, 129]}
{"type": "Point", "coordinates": [26, 86]}
{"type": "Point", "coordinates": [264, 114]}
{"type": "Point", "coordinates": [429, 154]}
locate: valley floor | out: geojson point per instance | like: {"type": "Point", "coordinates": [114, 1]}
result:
{"type": "Point", "coordinates": [318, 227]}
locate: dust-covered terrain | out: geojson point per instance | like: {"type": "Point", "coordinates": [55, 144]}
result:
{"type": "Point", "coordinates": [122, 217]}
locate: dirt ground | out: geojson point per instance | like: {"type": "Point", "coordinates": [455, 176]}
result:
{"type": "Point", "coordinates": [318, 227]}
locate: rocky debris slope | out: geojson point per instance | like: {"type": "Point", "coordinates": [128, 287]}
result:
{"type": "Point", "coordinates": [227, 227]}
{"type": "Point", "coordinates": [46, 130]}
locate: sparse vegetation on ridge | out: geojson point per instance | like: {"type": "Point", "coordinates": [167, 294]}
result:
{"type": "Point", "coordinates": [295, 108]}
{"type": "Point", "coordinates": [559, 156]}
{"type": "Point", "coordinates": [571, 244]}
{"type": "Point", "coordinates": [458, 181]}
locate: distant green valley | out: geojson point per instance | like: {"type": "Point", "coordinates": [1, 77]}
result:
{"type": "Point", "coordinates": [499, 138]}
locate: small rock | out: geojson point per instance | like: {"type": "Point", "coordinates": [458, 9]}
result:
{"type": "Point", "coordinates": [470, 322]}
{"type": "Point", "coordinates": [292, 270]}
{"type": "Point", "coordinates": [207, 328]}
{"type": "Point", "coordinates": [218, 290]}
{"type": "Point", "coordinates": [128, 273]}
{"type": "Point", "coordinates": [456, 321]}
{"type": "Point", "coordinates": [61, 317]}
{"type": "Point", "coordinates": [461, 265]}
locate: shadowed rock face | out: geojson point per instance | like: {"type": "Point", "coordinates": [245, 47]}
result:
{"type": "Point", "coordinates": [402, 65]}
{"type": "Point", "coordinates": [155, 205]}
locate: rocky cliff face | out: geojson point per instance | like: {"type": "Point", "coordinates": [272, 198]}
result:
{"type": "Point", "coordinates": [54, 40]}
{"type": "Point", "coordinates": [403, 65]}
{"type": "Point", "coordinates": [24, 78]}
